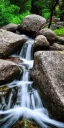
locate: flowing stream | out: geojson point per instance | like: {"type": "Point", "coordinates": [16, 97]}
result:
{"type": "Point", "coordinates": [24, 100]}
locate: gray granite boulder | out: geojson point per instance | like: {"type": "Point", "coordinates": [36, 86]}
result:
{"type": "Point", "coordinates": [48, 76]}
{"type": "Point", "coordinates": [8, 71]}
{"type": "Point", "coordinates": [32, 24]}
{"type": "Point", "coordinates": [40, 43]}
{"type": "Point", "coordinates": [10, 42]}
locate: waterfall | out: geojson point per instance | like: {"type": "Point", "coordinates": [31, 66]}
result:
{"type": "Point", "coordinates": [27, 100]}
{"type": "Point", "coordinates": [27, 49]}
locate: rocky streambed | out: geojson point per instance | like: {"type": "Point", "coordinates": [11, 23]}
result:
{"type": "Point", "coordinates": [16, 74]}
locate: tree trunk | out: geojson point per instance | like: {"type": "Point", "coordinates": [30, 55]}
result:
{"type": "Point", "coordinates": [52, 11]}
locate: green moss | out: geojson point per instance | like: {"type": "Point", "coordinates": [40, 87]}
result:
{"type": "Point", "coordinates": [60, 31]}
{"type": "Point", "coordinates": [25, 124]}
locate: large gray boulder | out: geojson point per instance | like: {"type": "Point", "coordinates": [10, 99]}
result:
{"type": "Point", "coordinates": [40, 43]}
{"type": "Point", "coordinates": [49, 34]}
{"type": "Point", "coordinates": [10, 42]}
{"type": "Point", "coordinates": [48, 76]}
{"type": "Point", "coordinates": [8, 71]}
{"type": "Point", "coordinates": [32, 24]}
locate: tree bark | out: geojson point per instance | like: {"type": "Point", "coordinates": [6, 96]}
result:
{"type": "Point", "coordinates": [54, 3]}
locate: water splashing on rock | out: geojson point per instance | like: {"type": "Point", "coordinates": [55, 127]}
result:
{"type": "Point", "coordinates": [27, 100]}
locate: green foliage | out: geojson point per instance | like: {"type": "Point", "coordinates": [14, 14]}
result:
{"type": "Point", "coordinates": [14, 19]}
{"type": "Point", "coordinates": [24, 5]}
{"type": "Point", "coordinates": [36, 7]}
{"type": "Point", "coordinates": [46, 13]}
{"type": "Point", "coordinates": [22, 15]}
{"type": "Point", "coordinates": [19, 18]}
{"type": "Point", "coordinates": [8, 13]}
{"type": "Point", "coordinates": [40, 7]}
{"type": "Point", "coordinates": [3, 18]}
{"type": "Point", "coordinates": [60, 31]}
{"type": "Point", "coordinates": [58, 12]}
{"type": "Point", "coordinates": [15, 10]}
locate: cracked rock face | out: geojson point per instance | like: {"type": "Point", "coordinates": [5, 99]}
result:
{"type": "Point", "coordinates": [48, 76]}
{"type": "Point", "coordinates": [8, 71]}
{"type": "Point", "coordinates": [10, 42]}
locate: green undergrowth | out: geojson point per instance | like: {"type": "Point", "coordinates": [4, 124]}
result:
{"type": "Point", "coordinates": [60, 31]}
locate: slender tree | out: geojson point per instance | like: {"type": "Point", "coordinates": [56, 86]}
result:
{"type": "Point", "coordinates": [62, 11]}
{"type": "Point", "coordinates": [54, 4]}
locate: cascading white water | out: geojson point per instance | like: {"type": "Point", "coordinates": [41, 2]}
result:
{"type": "Point", "coordinates": [28, 103]}
{"type": "Point", "coordinates": [27, 49]}
{"type": "Point", "coordinates": [9, 101]}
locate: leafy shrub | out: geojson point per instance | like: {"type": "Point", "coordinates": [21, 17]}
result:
{"type": "Point", "coordinates": [46, 13]}
{"type": "Point", "coordinates": [3, 19]}
{"type": "Point", "coordinates": [8, 14]}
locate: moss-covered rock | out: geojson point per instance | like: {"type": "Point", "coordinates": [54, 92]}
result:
{"type": "Point", "coordinates": [25, 124]}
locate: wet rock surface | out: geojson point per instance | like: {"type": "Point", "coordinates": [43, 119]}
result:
{"type": "Point", "coordinates": [8, 71]}
{"type": "Point", "coordinates": [4, 95]}
{"type": "Point", "coordinates": [8, 97]}
{"type": "Point", "coordinates": [14, 59]}
{"type": "Point", "coordinates": [48, 76]}
{"type": "Point", "coordinates": [10, 42]}
{"type": "Point", "coordinates": [32, 24]}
